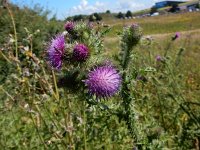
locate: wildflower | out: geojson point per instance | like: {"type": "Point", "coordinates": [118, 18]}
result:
{"type": "Point", "coordinates": [176, 36]}
{"type": "Point", "coordinates": [69, 26]}
{"type": "Point", "coordinates": [90, 25]}
{"type": "Point", "coordinates": [80, 52]}
{"type": "Point", "coordinates": [103, 81]}
{"type": "Point", "coordinates": [55, 51]}
{"type": "Point", "coordinates": [158, 58]}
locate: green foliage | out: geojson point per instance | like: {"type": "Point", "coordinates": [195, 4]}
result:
{"type": "Point", "coordinates": [95, 17]}
{"type": "Point", "coordinates": [153, 10]}
{"type": "Point", "coordinates": [128, 13]}
{"type": "Point", "coordinates": [157, 108]}
{"type": "Point", "coordinates": [108, 11]}
{"type": "Point", "coordinates": [120, 15]}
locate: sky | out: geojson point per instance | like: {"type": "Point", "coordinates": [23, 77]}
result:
{"type": "Point", "coordinates": [65, 8]}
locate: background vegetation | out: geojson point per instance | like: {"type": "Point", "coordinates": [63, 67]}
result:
{"type": "Point", "coordinates": [165, 106]}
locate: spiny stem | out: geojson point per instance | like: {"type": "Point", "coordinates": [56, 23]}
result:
{"type": "Point", "coordinates": [84, 128]}
{"type": "Point", "coordinates": [125, 92]}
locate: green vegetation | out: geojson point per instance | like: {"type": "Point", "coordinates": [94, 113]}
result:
{"type": "Point", "coordinates": [38, 112]}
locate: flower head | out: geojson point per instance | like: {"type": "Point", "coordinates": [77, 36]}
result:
{"type": "Point", "coordinates": [90, 25]}
{"type": "Point", "coordinates": [55, 51]}
{"type": "Point", "coordinates": [103, 81]}
{"type": "Point", "coordinates": [80, 52]}
{"type": "Point", "coordinates": [176, 36]}
{"type": "Point", "coordinates": [158, 58]}
{"type": "Point", "coordinates": [69, 26]}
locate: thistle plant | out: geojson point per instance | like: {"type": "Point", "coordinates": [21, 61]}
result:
{"type": "Point", "coordinates": [85, 100]}
{"type": "Point", "coordinates": [130, 37]}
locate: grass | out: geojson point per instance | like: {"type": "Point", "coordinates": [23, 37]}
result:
{"type": "Point", "coordinates": [160, 24]}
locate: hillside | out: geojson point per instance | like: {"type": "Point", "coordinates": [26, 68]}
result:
{"type": "Point", "coordinates": [160, 24]}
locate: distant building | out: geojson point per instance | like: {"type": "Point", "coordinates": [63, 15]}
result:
{"type": "Point", "coordinates": [167, 3]}
{"type": "Point", "coordinates": [190, 6]}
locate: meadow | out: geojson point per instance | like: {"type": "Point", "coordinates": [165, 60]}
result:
{"type": "Point", "coordinates": [154, 105]}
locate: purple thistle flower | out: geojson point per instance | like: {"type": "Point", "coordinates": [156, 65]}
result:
{"type": "Point", "coordinates": [176, 36]}
{"type": "Point", "coordinates": [134, 25]}
{"type": "Point", "coordinates": [69, 26]}
{"type": "Point", "coordinates": [80, 52]}
{"type": "Point", "coordinates": [90, 25]}
{"type": "Point", "coordinates": [103, 81]}
{"type": "Point", "coordinates": [55, 51]}
{"type": "Point", "coordinates": [158, 58]}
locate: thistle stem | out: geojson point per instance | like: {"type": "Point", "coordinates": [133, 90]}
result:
{"type": "Point", "coordinates": [125, 90]}
{"type": "Point", "coordinates": [84, 116]}
{"type": "Point", "coordinates": [55, 85]}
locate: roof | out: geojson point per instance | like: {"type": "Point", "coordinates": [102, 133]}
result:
{"type": "Point", "coordinates": [172, 1]}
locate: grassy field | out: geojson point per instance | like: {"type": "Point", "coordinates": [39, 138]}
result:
{"type": "Point", "coordinates": [160, 24]}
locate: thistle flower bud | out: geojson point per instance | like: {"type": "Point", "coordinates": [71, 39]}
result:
{"type": "Point", "coordinates": [69, 26]}
{"type": "Point", "coordinates": [80, 52]}
{"type": "Point", "coordinates": [158, 58]}
{"type": "Point", "coordinates": [132, 34]}
{"type": "Point", "coordinates": [103, 81]}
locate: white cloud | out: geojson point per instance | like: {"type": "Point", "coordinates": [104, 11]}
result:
{"type": "Point", "coordinates": [119, 5]}
{"type": "Point", "coordinates": [133, 5]}
{"type": "Point", "coordinates": [85, 8]}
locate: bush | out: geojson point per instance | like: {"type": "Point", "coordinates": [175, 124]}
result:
{"type": "Point", "coordinates": [128, 14]}
{"type": "Point", "coordinates": [120, 15]}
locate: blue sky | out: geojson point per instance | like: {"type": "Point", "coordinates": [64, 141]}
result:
{"type": "Point", "coordinates": [64, 8]}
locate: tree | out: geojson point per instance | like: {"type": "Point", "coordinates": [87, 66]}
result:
{"type": "Point", "coordinates": [120, 15]}
{"type": "Point", "coordinates": [153, 10]}
{"type": "Point", "coordinates": [92, 18]}
{"type": "Point", "coordinates": [78, 18]}
{"type": "Point", "coordinates": [128, 13]}
{"type": "Point", "coordinates": [98, 17]}
{"type": "Point", "coordinates": [108, 11]}
{"type": "Point", "coordinates": [174, 8]}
